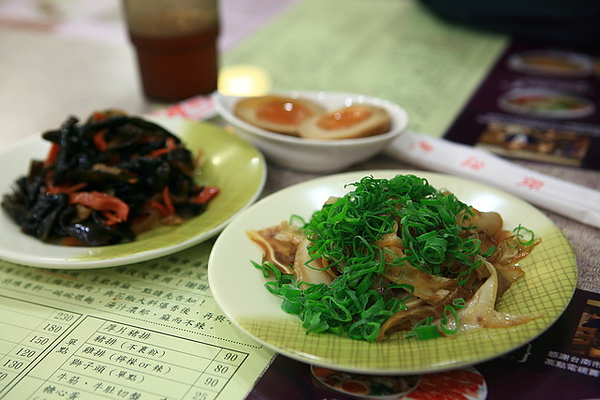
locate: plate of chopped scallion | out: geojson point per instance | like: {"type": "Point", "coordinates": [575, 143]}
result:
{"type": "Point", "coordinates": [392, 272]}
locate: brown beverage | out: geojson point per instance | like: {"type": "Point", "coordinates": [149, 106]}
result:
{"type": "Point", "coordinates": [178, 67]}
{"type": "Point", "coordinates": [176, 46]}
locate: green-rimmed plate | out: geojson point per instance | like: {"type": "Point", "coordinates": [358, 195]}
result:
{"type": "Point", "coordinates": [229, 162]}
{"type": "Point", "coordinates": [548, 285]}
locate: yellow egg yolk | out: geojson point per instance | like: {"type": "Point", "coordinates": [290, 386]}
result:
{"type": "Point", "coordinates": [344, 118]}
{"type": "Point", "coordinates": [284, 112]}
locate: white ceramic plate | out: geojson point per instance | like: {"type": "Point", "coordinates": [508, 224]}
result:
{"type": "Point", "coordinates": [551, 276]}
{"type": "Point", "coordinates": [312, 155]}
{"type": "Point", "coordinates": [230, 163]}
{"type": "Point", "coordinates": [225, 104]}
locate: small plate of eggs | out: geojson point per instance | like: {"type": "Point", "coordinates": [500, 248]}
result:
{"type": "Point", "coordinates": [317, 132]}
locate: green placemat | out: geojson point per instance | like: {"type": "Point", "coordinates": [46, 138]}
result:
{"type": "Point", "coordinates": [387, 48]}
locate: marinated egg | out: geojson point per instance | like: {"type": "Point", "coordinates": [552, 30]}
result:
{"type": "Point", "coordinates": [359, 120]}
{"type": "Point", "coordinates": [276, 113]}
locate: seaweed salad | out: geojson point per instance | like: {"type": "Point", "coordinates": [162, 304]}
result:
{"type": "Point", "coordinates": [106, 180]}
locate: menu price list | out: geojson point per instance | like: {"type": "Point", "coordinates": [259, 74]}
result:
{"type": "Point", "coordinates": [27, 337]}
{"type": "Point", "coordinates": [53, 354]}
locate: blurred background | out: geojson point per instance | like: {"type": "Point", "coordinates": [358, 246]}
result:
{"type": "Point", "coordinates": [52, 49]}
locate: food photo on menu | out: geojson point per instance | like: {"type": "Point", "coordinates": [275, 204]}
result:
{"type": "Point", "coordinates": [538, 103]}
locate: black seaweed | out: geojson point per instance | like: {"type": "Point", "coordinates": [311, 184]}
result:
{"type": "Point", "coordinates": [138, 159]}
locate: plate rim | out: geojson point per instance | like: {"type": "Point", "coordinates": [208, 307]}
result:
{"type": "Point", "coordinates": [312, 358]}
{"type": "Point", "coordinates": [76, 260]}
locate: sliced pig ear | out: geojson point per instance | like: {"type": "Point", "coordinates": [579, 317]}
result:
{"type": "Point", "coordinates": [279, 244]}
{"type": "Point", "coordinates": [313, 272]}
{"type": "Point", "coordinates": [480, 311]}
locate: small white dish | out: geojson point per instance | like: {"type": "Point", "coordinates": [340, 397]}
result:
{"type": "Point", "coordinates": [547, 287]}
{"type": "Point", "coordinates": [230, 163]}
{"type": "Point", "coordinates": [311, 155]}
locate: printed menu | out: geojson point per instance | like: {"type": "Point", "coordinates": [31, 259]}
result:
{"type": "Point", "coordinates": [145, 331]}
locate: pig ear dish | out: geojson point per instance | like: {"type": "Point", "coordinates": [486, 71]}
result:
{"type": "Point", "coordinates": [395, 255]}
{"type": "Point", "coordinates": [310, 120]}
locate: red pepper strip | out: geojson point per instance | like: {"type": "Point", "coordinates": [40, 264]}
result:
{"type": "Point", "coordinates": [52, 155]}
{"type": "Point", "coordinates": [167, 201]}
{"type": "Point", "coordinates": [160, 207]}
{"type": "Point", "coordinates": [65, 188]}
{"type": "Point", "coordinates": [100, 140]}
{"type": "Point", "coordinates": [102, 202]}
{"type": "Point", "coordinates": [71, 241]}
{"type": "Point", "coordinates": [170, 145]}
{"type": "Point", "coordinates": [110, 218]}
{"type": "Point", "coordinates": [159, 152]}
{"type": "Point", "coordinates": [165, 208]}
{"type": "Point", "coordinates": [98, 116]}
{"type": "Point", "coordinates": [206, 194]}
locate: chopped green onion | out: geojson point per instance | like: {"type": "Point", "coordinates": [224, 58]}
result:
{"type": "Point", "coordinates": [291, 307]}
{"type": "Point", "coordinates": [524, 236]}
{"type": "Point", "coordinates": [345, 232]}
{"type": "Point", "coordinates": [459, 303]}
{"type": "Point", "coordinates": [296, 220]}
{"type": "Point", "coordinates": [449, 318]}
{"type": "Point", "coordinates": [428, 332]}
{"type": "Point", "coordinates": [268, 269]}
{"type": "Point", "coordinates": [489, 252]}
{"type": "Point", "coordinates": [424, 330]}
